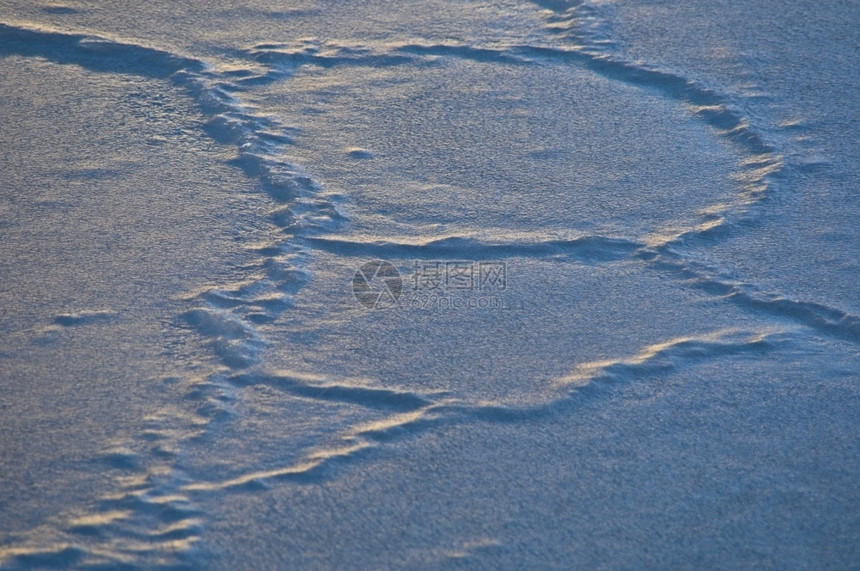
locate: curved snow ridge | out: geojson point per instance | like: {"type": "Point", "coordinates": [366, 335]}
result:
{"type": "Point", "coordinates": [817, 316]}
{"type": "Point", "coordinates": [317, 465]}
{"type": "Point", "coordinates": [590, 248]}
{"type": "Point", "coordinates": [234, 340]}
{"type": "Point", "coordinates": [706, 104]}
{"type": "Point", "coordinates": [414, 413]}
{"type": "Point", "coordinates": [227, 322]}
{"type": "Point", "coordinates": [360, 392]}
{"type": "Point", "coordinates": [153, 512]}
{"type": "Point", "coordinates": [666, 356]}
{"type": "Point", "coordinates": [152, 520]}
{"type": "Point", "coordinates": [597, 249]}
{"type": "Point", "coordinates": [585, 26]}
{"type": "Point", "coordinates": [228, 316]}
{"type": "Point", "coordinates": [261, 141]}
{"type": "Point", "coordinates": [59, 555]}
{"type": "Point", "coordinates": [596, 379]}
{"type": "Point", "coordinates": [147, 521]}
{"type": "Point", "coordinates": [139, 527]}
{"type": "Point", "coordinates": [105, 540]}
{"type": "Point", "coordinates": [93, 52]}
{"type": "Point", "coordinates": [760, 161]}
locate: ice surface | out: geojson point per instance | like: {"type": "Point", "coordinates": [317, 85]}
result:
{"type": "Point", "coordinates": [616, 324]}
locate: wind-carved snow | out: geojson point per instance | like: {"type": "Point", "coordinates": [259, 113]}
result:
{"type": "Point", "coordinates": [153, 516]}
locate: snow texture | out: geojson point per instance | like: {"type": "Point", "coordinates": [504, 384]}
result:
{"type": "Point", "coordinates": [432, 284]}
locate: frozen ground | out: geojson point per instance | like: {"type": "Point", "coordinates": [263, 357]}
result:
{"type": "Point", "coordinates": [616, 325]}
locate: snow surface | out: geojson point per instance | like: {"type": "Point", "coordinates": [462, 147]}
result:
{"type": "Point", "coordinates": [617, 324]}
